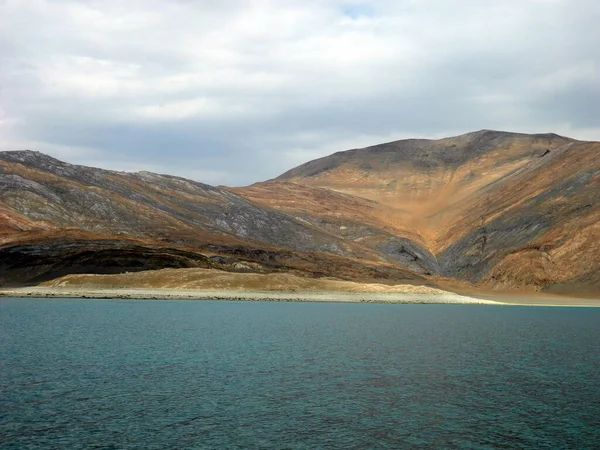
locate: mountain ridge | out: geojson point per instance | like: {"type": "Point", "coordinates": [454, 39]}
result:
{"type": "Point", "coordinates": [492, 209]}
{"type": "Point", "coordinates": [382, 146]}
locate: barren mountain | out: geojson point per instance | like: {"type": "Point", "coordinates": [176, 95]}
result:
{"type": "Point", "coordinates": [490, 209]}
{"type": "Point", "coordinates": [502, 210]}
{"type": "Point", "coordinates": [57, 218]}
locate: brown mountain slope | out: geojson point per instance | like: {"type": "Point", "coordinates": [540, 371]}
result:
{"type": "Point", "coordinates": [57, 218]}
{"type": "Point", "coordinates": [497, 210]}
{"type": "Point", "coordinates": [371, 225]}
{"type": "Point", "coordinates": [502, 209]}
{"type": "Point", "coordinates": [427, 183]}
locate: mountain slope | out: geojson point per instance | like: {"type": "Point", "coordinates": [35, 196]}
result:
{"type": "Point", "coordinates": [51, 193]}
{"type": "Point", "coordinates": [490, 209]}
{"type": "Point", "coordinates": [501, 209]}
{"type": "Point", "coordinates": [365, 222]}
{"type": "Point", "coordinates": [427, 183]}
{"type": "Point", "coordinates": [57, 218]}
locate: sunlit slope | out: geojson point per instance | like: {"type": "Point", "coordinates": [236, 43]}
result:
{"type": "Point", "coordinates": [375, 227]}
{"type": "Point", "coordinates": [57, 218]}
{"type": "Point", "coordinates": [505, 209]}
{"type": "Point", "coordinates": [498, 210]}
{"type": "Point", "coordinates": [40, 192]}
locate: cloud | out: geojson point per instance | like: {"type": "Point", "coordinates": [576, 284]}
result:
{"type": "Point", "coordinates": [236, 92]}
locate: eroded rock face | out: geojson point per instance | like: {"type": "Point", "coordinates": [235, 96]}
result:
{"type": "Point", "coordinates": [502, 210]}
{"type": "Point", "coordinates": [474, 255]}
{"type": "Point", "coordinates": [37, 262]}
{"type": "Point", "coordinates": [411, 255]}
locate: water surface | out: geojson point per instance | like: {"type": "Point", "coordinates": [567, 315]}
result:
{"type": "Point", "coordinates": [122, 374]}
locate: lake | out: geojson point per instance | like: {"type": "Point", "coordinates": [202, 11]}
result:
{"type": "Point", "coordinates": [124, 374]}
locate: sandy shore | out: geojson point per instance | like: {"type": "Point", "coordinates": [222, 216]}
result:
{"type": "Point", "coordinates": [542, 300]}
{"type": "Point", "coordinates": [171, 294]}
{"type": "Point", "coordinates": [433, 297]}
{"type": "Point", "coordinates": [210, 284]}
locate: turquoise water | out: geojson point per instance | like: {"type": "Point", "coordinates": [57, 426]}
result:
{"type": "Point", "coordinates": [114, 374]}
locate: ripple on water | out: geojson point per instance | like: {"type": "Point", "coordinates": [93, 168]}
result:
{"type": "Point", "coordinates": [181, 374]}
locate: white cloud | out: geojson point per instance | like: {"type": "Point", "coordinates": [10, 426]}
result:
{"type": "Point", "coordinates": [245, 89]}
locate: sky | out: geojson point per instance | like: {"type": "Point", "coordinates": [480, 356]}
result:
{"type": "Point", "coordinates": [235, 92]}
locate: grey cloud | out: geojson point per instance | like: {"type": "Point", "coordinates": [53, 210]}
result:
{"type": "Point", "coordinates": [238, 92]}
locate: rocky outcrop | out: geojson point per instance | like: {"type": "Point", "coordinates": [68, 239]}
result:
{"type": "Point", "coordinates": [34, 263]}
{"type": "Point", "coordinates": [407, 253]}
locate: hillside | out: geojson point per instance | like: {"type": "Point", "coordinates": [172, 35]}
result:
{"type": "Point", "coordinates": [57, 218]}
{"type": "Point", "coordinates": [491, 210]}
{"type": "Point", "coordinates": [502, 210]}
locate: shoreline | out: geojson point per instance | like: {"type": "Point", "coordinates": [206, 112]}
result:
{"type": "Point", "coordinates": [232, 295]}
{"type": "Point", "coordinates": [291, 296]}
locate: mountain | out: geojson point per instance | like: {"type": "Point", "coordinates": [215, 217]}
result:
{"type": "Point", "coordinates": [502, 210]}
{"type": "Point", "coordinates": [57, 218]}
{"type": "Point", "coordinates": [491, 210]}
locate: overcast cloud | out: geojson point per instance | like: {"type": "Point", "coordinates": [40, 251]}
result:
{"type": "Point", "coordinates": [233, 92]}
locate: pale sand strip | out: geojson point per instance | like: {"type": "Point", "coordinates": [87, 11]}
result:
{"type": "Point", "coordinates": [211, 284]}
{"type": "Point", "coordinates": [172, 294]}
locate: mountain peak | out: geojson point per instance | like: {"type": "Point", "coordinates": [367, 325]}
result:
{"type": "Point", "coordinates": [426, 155]}
{"type": "Point", "coordinates": [494, 134]}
